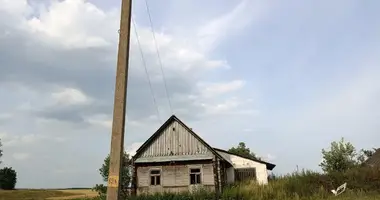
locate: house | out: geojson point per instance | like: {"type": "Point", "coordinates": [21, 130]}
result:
{"type": "Point", "coordinates": [175, 159]}
{"type": "Point", "coordinates": [374, 160]}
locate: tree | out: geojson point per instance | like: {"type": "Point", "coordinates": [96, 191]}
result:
{"type": "Point", "coordinates": [8, 178]}
{"type": "Point", "coordinates": [365, 154]}
{"type": "Point", "coordinates": [242, 150]}
{"type": "Point", "coordinates": [1, 151]}
{"type": "Point", "coordinates": [125, 178]}
{"type": "Point", "coordinates": [340, 157]}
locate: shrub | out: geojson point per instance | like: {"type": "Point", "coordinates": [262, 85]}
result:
{"type": "Point", "coordinates": [101, 190]}
{"type": "Point", "coordinates": [125, 178]}
{"type": "Point", "coordinates": [8, 178]}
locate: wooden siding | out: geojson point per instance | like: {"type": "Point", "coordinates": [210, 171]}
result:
{"type": "Point", "coordinates": [175, 140]}
{"type": "Point", "coordinates": [174, 178]}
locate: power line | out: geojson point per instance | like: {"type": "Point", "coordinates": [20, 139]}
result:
{"type": "Point", "coordinates": [158, 55]}
{"type": "Point", "coordinates": [146, 70]}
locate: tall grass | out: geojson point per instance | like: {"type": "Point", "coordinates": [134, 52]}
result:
{"type": "Point", "coordinates": [362, 183]}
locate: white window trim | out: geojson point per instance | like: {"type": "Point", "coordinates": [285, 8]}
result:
{"type": "Point", "coordinates": [195, 167]}
{"type": "Point", "coordinates": [153, 169]}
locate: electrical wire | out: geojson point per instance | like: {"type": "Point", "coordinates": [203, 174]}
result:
{"type": "Point", "coordinates": [146, 70]}
{"type": "Point", "coordinates": [158, 55]}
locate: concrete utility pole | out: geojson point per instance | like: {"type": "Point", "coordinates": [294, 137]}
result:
{"type": "Point", "coordinates": [117, 140]}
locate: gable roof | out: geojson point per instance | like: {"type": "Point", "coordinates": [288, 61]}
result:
{"type": "Point", "coordinates": [269, 166]}
{"type": "Point", "coordinates": [374, 160]}
{"type": "Point", "coordinates": [215, 151]}
{"type": "Point", "coordinates": [163, 127]}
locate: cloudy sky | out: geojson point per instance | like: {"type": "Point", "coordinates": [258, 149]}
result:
{"type": "Point", "coordinates": [286, 77]}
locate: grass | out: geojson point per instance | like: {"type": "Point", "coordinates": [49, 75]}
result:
{"type": "Point", "coordinates": [245, 191]}
{"type": "Point", "coordinates": [26, 194]}
{"type": "Point", "coordinates": [347, 196]}
{"type": "Point", "coordinates": [362, 183]}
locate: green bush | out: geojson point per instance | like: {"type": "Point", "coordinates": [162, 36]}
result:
{"type": "Point", "coordinates": [8, 178]}
{"type": "Point", "coordinates": [101, 190]}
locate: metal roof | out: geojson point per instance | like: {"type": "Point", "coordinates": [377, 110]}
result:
{"type": "Point", "coordinates": [226, 156]}
{"type": "Point", "coordinates": [172, 158]}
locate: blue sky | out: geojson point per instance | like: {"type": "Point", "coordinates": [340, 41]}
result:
{"type": "Point", "coordinates": [287, 78]}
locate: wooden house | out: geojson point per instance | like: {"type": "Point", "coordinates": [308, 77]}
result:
{"type": "Point", "coordinates": [175, 159]}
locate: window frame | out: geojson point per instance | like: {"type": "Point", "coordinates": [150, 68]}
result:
{"type": "Point", "coordinates": [159, 175]}
{"type": "Point", "coordinates": [245, 174]}
{"type": "Point", "coordinates": [200, 173]}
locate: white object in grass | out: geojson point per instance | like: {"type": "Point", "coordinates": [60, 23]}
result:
{"type": "Point", "coordinates": [339, 190]}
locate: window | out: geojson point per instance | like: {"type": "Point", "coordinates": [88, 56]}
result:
{"type": "Point", "coordinates": [245, 174]}
{"type": "Point", "coordinates": [195, 176]}
{"type": "Point", "coordinates": [155, 177]}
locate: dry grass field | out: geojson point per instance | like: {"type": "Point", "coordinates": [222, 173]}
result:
{"type": "Point", "coordinates": [25, 194]}
{"type": "Point", "coordinates": [87, 194]}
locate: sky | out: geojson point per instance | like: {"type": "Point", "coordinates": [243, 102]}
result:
{"type": "Point", "coordinates": [285, 77]}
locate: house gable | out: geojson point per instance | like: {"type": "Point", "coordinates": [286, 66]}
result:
{"type": "Point", "coordinates": [173, 141]}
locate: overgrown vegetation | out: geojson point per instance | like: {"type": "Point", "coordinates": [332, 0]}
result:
{"type": "Point", "coordinates": [363, 183]}
{"type": "Point", "coordinates": [125, 178]}
{"type": "Point", "coordinates": [341, 164]}
{"type": "Point", "coordinates": [304, 185]}
{"type": "Point", "coordinates": [343, 156]}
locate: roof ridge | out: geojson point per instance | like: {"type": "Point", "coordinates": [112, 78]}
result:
{"type": "Point", "coordinates": [269, 165]}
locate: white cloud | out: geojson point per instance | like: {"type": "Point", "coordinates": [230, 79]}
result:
{"type": "Point", "coordinates": [66, 58]}
{"type": "Point", "coordinates": [63, 22]}
{"type": "Point", "coordinates": [237, 19]}
{"type": "Point", "coordinates": [3, 135]}
{"type": "Point", "coordinates": [269, 157]}
{"type": "Point", "coordinates": [19, 140]}
{"type": "Point", "coordinates": [247, 130]}
{"type": "Point", "coordinates": [353, 104]}
{"type": "Point", "coordinates": [20, 156]}
{"type": "Point", "coordinates": [131, 149]}
{"type": "Point", "coordinates": [4, 116]}
{"type": "Point", "coordinates": [232, 105]}
{"type": "Point", "coordinates": [18, 7]}
{"type": "Point", "coordinates": [214, 89]}
{"type": "Point", "coordinates": [70, 96]}
{"type": "Point", "coordinates": [10, 141]}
